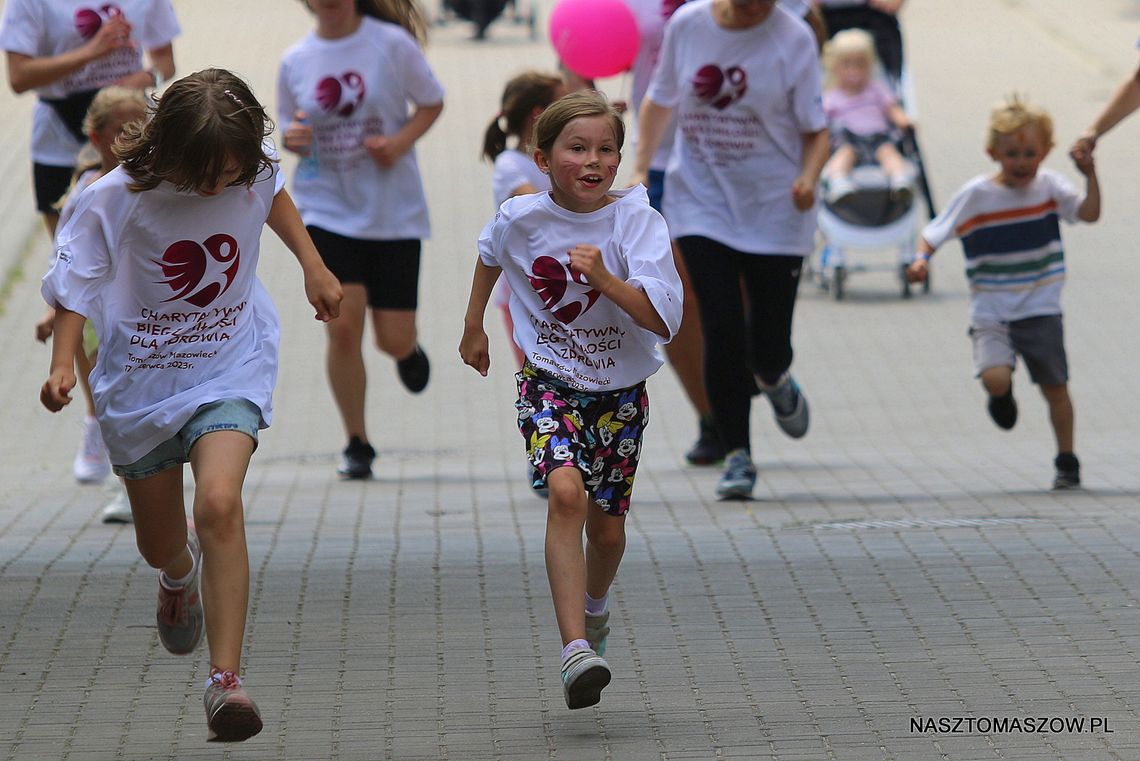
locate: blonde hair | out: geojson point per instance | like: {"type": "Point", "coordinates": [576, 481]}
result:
{"type": "Point", "coordinates": [570, 107]}
{"type": "Point", "coordinates": [107, 102]}
{"type": "Point", "coordinates": [845, 44]}
{"type": "Point", "coordinates": [1016, 114]}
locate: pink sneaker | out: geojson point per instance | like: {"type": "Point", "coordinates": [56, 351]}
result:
{"type": "Point", "coordinates": [231, 715]}
{"type": "Point", "coordinates": [181, 618]}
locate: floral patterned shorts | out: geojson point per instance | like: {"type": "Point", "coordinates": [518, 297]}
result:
{"type": "Point", "coordinates": [597, 432]}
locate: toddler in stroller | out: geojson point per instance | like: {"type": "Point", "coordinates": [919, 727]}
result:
{"type": "Point", "coordinates": [868, 184]}
{"type": "Point", "coordinates": [864, 117]}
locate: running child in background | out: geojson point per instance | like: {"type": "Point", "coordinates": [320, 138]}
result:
{"type": "Point", "coordinates": [111, 110]}
{"type": "Point", "coordinates": [355, 95]}
{"type": "Point", "coordinates": [863, 116]}
{"type": "Point", "coordinates": [1015, 264]}
{"type": "Point", "coordinates": [161, 255]}
{"type": "Point", "coordinates": [525, 97]}
{"type": "Point", "coordinates": [593, 291]}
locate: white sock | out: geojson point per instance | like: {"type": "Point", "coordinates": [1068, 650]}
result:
{"type": "Point", "coordinates": [578, 644]}
{"type": "Point", "coordinates": [597, 606]}
{"type": "Point", "coordinates": [170, 583]}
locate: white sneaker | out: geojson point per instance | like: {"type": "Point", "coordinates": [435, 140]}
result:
{"type": "Point", "coordinates": [118, 510]}
{"type": "Point", "coordinates": [839, 189]}
{"type": "Point", "coordinates": [91, 465]}
{"type": "Point", "coordinates": [789, 406]}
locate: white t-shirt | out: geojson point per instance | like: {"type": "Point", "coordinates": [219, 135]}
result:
{"type": "Point", "coordinates": [45, 28]}
{"type": "Point", "coordinates": [513, 169]}
{"type": "Point", "coordinates": [743, 99]}
{"type": "Point", "coordinates": [564, 326]}
{"type": "Point", "coordinates": [350, 88]}
{"type": "Point", "coordinates": [1011, 237]}
{"type": "Point", "coordinates": [169, 281]}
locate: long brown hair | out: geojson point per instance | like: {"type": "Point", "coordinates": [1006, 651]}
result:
{"type": "Point", "coordinates": [524, 93]}
{"type": "Point", "coordinates": [202, 122]}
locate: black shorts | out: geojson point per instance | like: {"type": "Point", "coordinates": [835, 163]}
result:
{"type": "Point", "coordinates": [389, 270]}
{"type": "Point", "coordinates": [51, 182]}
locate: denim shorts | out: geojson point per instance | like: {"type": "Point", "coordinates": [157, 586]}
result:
{"type": "Point", "coordinates": [225, 415]}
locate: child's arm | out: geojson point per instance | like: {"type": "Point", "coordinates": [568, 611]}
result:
{"type": "Point", "coordinates": [1089, 210]}
{"type": "Point", "coordinates": [588, 260]}
{"type": "Point", "coordinates": [385, 150]}
{"type": "Point", "coordinates": [898, 116]}
{"type": "Point", "coordinates": [920, 267]}
{"type": "Point", "coordinates": [55, 394]}
{"type": "Point", "coordinates": [652, 121]}
{"type": "Point", "coordinates": [817, 149]}
{"type": "Point", "coordinates": [321, 286]}
{"type": "Point", "coordinates": [474, 347]}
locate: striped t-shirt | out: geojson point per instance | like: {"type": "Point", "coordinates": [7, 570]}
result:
{"type": "Point", "coordinates": [1015, 263]}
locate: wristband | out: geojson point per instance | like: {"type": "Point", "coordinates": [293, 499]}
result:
{"type": "Point", "coordinates": [921, 256]}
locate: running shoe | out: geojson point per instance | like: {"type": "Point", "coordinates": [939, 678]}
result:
{"type": "Point", "coordinates": [180, 616]}
{"type": "Point", "coordinates": [584, 675]}
{"type": "Point", "coordinates": [414, 370]}
{"type": "Point", "coordinates": [739, 476]}
{"type": "Point", "coordinates": [789, 405]}
{"type": "Point", "coordinates": [356, 460]}
{"type": "Point", "coordinates": [1003, 410]}
{"type": "Point", "coordinates": [1068, 471]}
{"type": "Point", "coordinates": [597, 630]}
{"type": "Point", "coordinates": [91, 465]}
{"type": "Point", "coordinates": [231, 715]}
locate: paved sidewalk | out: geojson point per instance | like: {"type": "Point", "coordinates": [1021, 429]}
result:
{"type": "Point", "coordinates": [903, 567]}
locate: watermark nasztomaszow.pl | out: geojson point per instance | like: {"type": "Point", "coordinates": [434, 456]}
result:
{"type": "Point", "coordinates": [1001, 725]}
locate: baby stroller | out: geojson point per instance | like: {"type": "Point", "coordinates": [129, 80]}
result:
{"type": "Point", "coordinates": [875, 215]}
{"type": "Point", "coordinates": [483, 12]}
{"type": "Point", "coordinates": [872, 217]}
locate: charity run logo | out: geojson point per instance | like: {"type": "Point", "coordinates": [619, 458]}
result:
{"type": "Point", "coordinates": [565, 293]}
{"type": "Point", "coordinates": [88, 21]}
{"type": "Point", "coordinates": [718, 87]}
{"type": "Point", "coordinates": [341, 94]}
{"type": "Point", "coordinates": [198, 273]}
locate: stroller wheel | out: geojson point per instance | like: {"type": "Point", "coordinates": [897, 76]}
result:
{"type": "Point", "coordinates": [838, 282]}
{"type": "Point", "coordinates": [905, 290]}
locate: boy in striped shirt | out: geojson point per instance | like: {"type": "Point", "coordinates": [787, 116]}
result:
{"type": "Point", "coordinates": [1008, 223]}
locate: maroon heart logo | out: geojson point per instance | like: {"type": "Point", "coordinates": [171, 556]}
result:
{"type": "Point", "coordinates": [88, 21]}
{"type": "Point", "coordinates": [565, 301]}
{"type": "Point", "coordinates": [718, 88]}
{"type": "Point", "coordinates": [199, 273]}
{"type": "Point", "coordinates": [342, 94]}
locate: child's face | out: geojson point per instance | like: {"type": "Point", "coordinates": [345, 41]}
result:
{"type": "Point", "coordinates": [1019, 154]}
{"type": "Point", "coordinates": [582, 163]}
{"type": "Point", "coordinates": [104, 138]}
{"type": "Point", "coordinates": [228, 177]}
{"type": "Point", "coordinates": [852, 72]}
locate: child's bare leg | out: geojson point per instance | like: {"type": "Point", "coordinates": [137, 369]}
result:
{"type": "Point", "coordinates": [997, 380]}
{"type": "Point", "coordinates": [686, 351]}
{"type": "Point", "coordinates": [394, 331]}
{"type": "Point", "coordinates": [841, 162]}
{"type": "Point", "coordinates": [565, 561]}
{"type": "Point", "coordinates": [890, 160]}
{"type": "Point", "coordinates": [605, 546]}
{"type": "Point", "coordinates": [220, 460]}
{"type": "Point", "coordinates": [160, 522]}
{"type": "Point", "coordinates": [344, 361]}
{"type": "Point", "coordinates": [1060, 414]}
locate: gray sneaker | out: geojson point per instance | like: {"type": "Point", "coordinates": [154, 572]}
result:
{"type": "Point", "coordinates": [584, 675]}
{"type": "Point", "coordinates": [739, 476]}
{"type": "Point", "coordinates": [181, 617]}
{"type": "Point", "coordinates": [597, 629]}
{"type": "Point", "coordinates": [231, 715]}
{"type": "Point", "coordinates": [789, 406]}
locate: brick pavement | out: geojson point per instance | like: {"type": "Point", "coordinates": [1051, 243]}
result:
{"type": "Point", "coordinates": [904, 561]}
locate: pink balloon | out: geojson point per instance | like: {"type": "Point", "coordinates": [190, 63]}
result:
{"type": "Point", "coordinates": [594, 38]}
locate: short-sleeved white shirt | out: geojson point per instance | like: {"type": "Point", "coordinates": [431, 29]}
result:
{"type": "Point", "coordinates": [514, 169]}
{"type": "Point", "coordinates": [743, 99]}
{"type": "Point", "coordinates": [350, 88]}
{"type": "Point", "coordinates": [169, 281]}
{"type": "Point", "coordinates": [45, 28]}
{"type": "Point", "coordinates": [563, 326]}
{"type": "Point", "coordinates": [1015, 261]}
